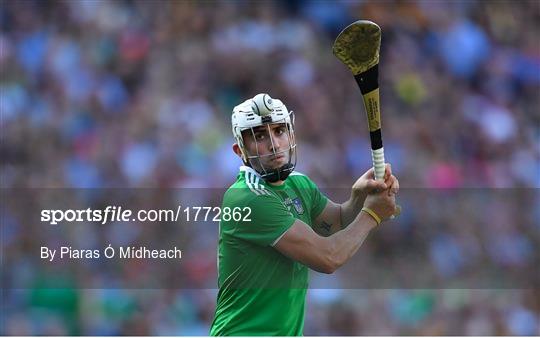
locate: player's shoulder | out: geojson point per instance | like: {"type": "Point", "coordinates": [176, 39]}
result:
{"type": "Point", "coordinates": [247, 188]}
{"type": "Point", "coordinates": [300, 179]}
{"type": "Point", "coordinates": [297, 174]}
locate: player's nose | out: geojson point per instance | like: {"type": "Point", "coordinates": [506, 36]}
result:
{"type": "Point", "coordinates": [276, 144]}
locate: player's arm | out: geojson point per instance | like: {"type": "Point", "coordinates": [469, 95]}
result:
{"type": "Point", "coordinates": [326, 254]}
{"type": "Point", "coordinates": [329, 220]}
{"type": "Point", "coordinates": [335, 217]}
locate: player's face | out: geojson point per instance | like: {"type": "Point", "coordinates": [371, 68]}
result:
{"type": "Point", "coordinates": [271, 143]}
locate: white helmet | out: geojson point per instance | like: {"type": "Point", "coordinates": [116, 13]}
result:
{"type": "Point", "coordinates": [262, 110]}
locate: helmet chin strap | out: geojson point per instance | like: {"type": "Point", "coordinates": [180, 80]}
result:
{"type": "Point", "coordinates": [274, 175]}
{"type": "Point", "coordinates": [279, 174]}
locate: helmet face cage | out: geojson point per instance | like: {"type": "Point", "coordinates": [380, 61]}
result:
{"type": "Point", "coordinates": [255, 161]}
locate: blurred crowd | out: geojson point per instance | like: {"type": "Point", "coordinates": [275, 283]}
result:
{"type": "Point", "coordinates": [138, 94]}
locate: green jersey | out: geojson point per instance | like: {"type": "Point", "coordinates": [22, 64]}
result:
{"type": "Point", "coordinates": [261, 291]}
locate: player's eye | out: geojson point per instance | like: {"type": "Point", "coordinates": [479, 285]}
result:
{"type": "Point", "coordinates": [280, 130]}
{"type": "Point", "coordinates": [260, 136]}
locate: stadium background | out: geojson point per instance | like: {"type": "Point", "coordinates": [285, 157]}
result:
{"type": "Point", "coordinates": [138, 94]}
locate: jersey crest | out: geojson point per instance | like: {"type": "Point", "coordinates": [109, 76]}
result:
{"type": "Point", "coordinates": [297, 203]}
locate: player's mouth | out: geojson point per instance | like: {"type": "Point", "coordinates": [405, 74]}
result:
{"type": "Point", "coordinates": [278, 157]}
{"type": "Point", "coordinates": [277, 160]}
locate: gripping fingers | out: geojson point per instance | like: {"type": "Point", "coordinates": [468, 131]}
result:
{"type": "Point", "coordinates": [393, 184]}
{"type": "Point", "coordinates": [394, 188]}
{"type": "Point", "coordinates": [397, 213]}
{"type": "Point", "coordinates": [388, 171]}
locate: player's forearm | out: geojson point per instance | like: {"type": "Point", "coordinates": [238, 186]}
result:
{"type": "Point", "coordinates": [350, 209]}
{"type": "Point", "coordinates": [342, 245]}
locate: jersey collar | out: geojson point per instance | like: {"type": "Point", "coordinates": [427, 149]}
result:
{"type": "Point", "coordinates": [249, 170]}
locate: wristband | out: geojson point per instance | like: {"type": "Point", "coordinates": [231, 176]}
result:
{"type": "Point", "coordinates": [372, 214]}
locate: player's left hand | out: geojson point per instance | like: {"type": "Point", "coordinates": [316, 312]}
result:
{"type": "Point", "coordinates": [367, 184]}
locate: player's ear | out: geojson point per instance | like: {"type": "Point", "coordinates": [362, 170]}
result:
{"type": "Point", "coordinates": [236, 149]}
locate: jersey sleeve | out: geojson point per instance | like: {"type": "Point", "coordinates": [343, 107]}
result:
{"type": "Point", "coordinates": [269, 219]}
{"type": "Point", "coordinates": [318, 199]}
